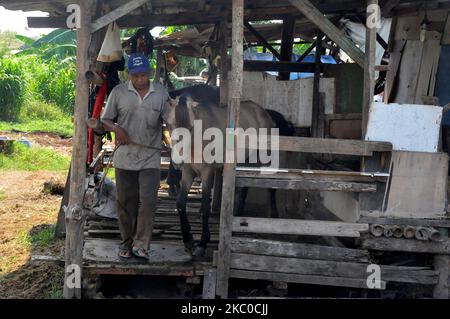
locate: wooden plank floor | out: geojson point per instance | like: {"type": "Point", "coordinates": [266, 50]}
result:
{"type": "Point", "coordinates": [167, 253]}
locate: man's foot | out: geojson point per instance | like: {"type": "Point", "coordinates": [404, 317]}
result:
{"type": "Point", "coordinates": [140, 252]}
{"type": "Point", "coordinates": [125, 251]}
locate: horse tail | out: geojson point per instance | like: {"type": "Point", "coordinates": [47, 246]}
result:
{"type": "Point", "coordinates": [285, 127]}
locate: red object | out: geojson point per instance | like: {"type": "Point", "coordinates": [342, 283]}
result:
{"type": "Point", "coordinates": [99, 101]}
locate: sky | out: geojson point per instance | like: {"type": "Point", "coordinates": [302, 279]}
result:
{"type": "Point", "coordinates": [17, 21]}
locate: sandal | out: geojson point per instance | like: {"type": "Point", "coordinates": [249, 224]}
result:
{"type": "Point", "coordinates": [140, 252]}
{"type": "Point", "coordinates": [124, 252]}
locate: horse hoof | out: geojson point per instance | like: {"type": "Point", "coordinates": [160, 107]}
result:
{"type": "Point", "coordinates": [199, 251]}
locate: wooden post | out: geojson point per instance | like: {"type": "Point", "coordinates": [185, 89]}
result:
{"type": "Point", "coordinates": [229, 173]}
{"type": "Point", "coordinates": [316, 87]}
{"type": "Point", "coordinates": [217, 193]}
{"type": "Point", "coordinates": [224, 63]}
{"type": "Point", "coordinates": [287, 41]}
{"type": "Point", "coordinates": [327, 27]}
{"type": "Point", "coordinates": [442, 265]}
{"type": "Point", "coordinates": [369, 68]}
{"type": "Point", "coordinates": [75, 214]}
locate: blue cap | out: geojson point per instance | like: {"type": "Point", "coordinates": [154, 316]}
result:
{"type": "Point", "coordinates": [138, 63]}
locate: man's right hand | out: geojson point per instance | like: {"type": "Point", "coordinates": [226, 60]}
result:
{"type": "Point", "coordinates": [122, 137]}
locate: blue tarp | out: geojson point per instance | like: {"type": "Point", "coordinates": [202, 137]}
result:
{"type": "Point", "coordinates": [326, 59]}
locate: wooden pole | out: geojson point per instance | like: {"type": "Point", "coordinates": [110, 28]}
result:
{"type": "Point", "coordinates": [316, 87]}
{"type": "Point", "coordinates": [369, 68]}
{"type": "Point", "coordinates": [327, 27]}
{"type": "Point", "coordinates": [224, 63]}
{"type": "Point", "coordinates": [287, 41]}
{"type": "Point", "coordinates": [75, 214]}
{"type": "Point", "coordinates": [229, 173]}
{"type": "Point", "coordinates": [442, 265]}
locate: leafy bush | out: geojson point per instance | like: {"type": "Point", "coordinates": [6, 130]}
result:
{"type": "Point", "coordinates": [12, 88]}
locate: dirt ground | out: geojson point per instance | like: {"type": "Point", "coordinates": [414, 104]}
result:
{"type": "Point", "coordinates": [27, 216]}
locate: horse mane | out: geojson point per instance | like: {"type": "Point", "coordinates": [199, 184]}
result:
{"type": "Point", "coordinates": [182, 113]}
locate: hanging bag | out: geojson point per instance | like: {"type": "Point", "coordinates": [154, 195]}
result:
{"type": "Point", "coordinates": [111, 48]}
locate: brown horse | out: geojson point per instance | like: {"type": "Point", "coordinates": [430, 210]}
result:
{"type": "Point", "coordinates": [201, 103]}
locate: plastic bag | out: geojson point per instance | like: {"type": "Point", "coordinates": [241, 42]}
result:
{"type": "Point", "coordinates": [111, 49]}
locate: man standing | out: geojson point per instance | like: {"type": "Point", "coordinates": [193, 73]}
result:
{"type": "Point", "coordinates": [134, 112]}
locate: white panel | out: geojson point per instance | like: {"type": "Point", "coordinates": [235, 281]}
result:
{"type": "Point", "coordinates": [408, 127]}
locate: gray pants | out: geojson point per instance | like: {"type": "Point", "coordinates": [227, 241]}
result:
{"type": "Point", "coordinates": [137, 194]}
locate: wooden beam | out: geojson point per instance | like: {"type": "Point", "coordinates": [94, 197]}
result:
{"type": "Point", "coordinates": [287, 39]}
{"type": "Point", "coordinates": [415, 275]}
{"type": "Point", "coordinates": [117, 13]}
{"type": "Point", "coordinates": [303, 279]}
{"type": "Point", "coordinates": [369, 68]}
{"type": "Point", "coordinates": [327, 146]}
{"type": "Point", "coordinates": [308, 183]}
{"type": "Point", "coordinates": [327, 27]}
{"type": "Point", "coordinates": [298, 250]}
{"type": "Point", "coordinates": [315, 122]}
{"type": "Point", "coordinates": [343, 176]}
{"type": "Point", "coordinates": [75, 213]}
{"type": "Point", "coordinates": [406, 221]}
{"type": "Point", "coordinates": [297, 227]}
{"type": "Point", "coordinates": [280, 66]}
{"type": "Point", "coordinates": [228, 190]}
{"type": "Point", "coordinates": [442, 265]}
{"type": "Point", "coordinates": [262, 41]}
{"type": "Point", "coordinates": [406, 245]}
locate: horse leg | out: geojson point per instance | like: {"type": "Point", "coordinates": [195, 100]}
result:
{"type": "Point", "coordinates": [186, 183]}
{"type": "Point", "coordinates": [207, 176]}
{"type": "Point", "coordinates": [273, 203]}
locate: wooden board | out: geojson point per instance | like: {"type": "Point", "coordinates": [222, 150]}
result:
{"type": "Point", "coordinates": [303, 279]}
{"type": "Point", "coordinates": [242, 171]}
{"type": "Point", "coordinates": [428, 67]}
{"type": "Point", "coordinates": [326, 146]}
{"type": "Point", "coordinates": [297, 250]}
{"type": "Point", "coordinates": [445, 223]}
{"type": "Point", "coordinates": [408, 75]}
{"type": "Point", "coordinates": [420, 275]}
{"type": "Point", "coordinates": [105, 251]}
{"type": "Point", "coordinates": [293, 99]}
{"type": "Point", "coordinates": [297, 227]}
{"type": "Point", "coordinates": [305, 184]}
{"type": "Point", "coordinates": [407, 245]}
{"type": "Point", "coordinates": [418, 187]}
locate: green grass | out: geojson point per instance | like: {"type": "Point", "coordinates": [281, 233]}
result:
{"type": "Point", "coordinates": [59, 128]}
{"type": "Point", "coordinates": [38, 238]}
{"type": "Point", "coordinates": [2, 194]}
{"type": "Point", "coordinates": [37, 116]}
{"type": "Point", "coordinates": [21, 158]}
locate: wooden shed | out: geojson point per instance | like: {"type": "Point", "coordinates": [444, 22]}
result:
{"type": "Point", "coordinates": [381, 183]}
